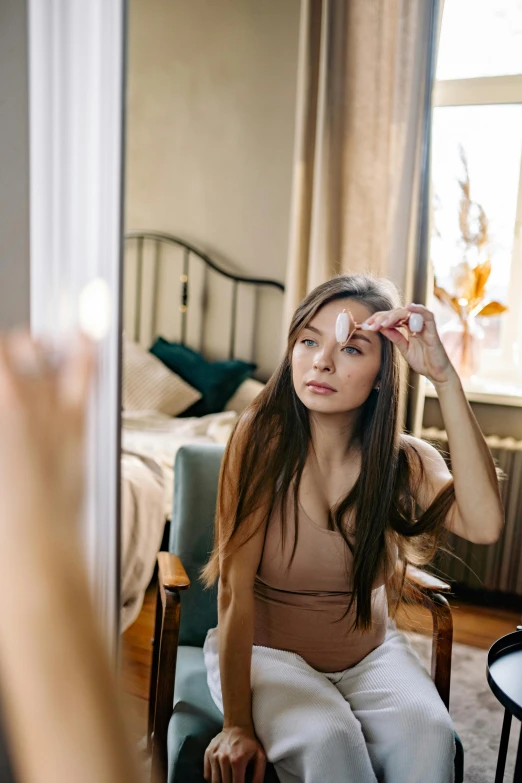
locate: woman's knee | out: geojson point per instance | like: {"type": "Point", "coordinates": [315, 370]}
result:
{"type": "Point", "coordinates": [429, 724]}
{"type": "Point", "coordinates": [440, 733]}
{"type": "Point", "coordinates": [335, 732]}
{"type": "Point", "coordinates": [305, 733]}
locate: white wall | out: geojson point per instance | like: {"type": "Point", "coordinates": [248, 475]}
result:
{"type": "Point", "coordinates": [210, 128]}
{"type": "Point", "coordinates": [14, 165]}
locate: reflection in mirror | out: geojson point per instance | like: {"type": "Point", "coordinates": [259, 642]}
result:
{"type": "Point", "coordinates": [271, 147]}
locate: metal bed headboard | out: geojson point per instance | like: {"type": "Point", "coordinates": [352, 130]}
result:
{"type": "Point", "coordinates": [189, 254]}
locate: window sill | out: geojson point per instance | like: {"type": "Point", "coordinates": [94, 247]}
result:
{"type": "Point", "coordinates": [489, 392]}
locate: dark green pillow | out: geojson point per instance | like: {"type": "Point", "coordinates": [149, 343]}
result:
{"type": "Point", "coordinates": [217, 381]}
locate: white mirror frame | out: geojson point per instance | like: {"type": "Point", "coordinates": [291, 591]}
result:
{"type": "Point", "coordinates": [76, 98]}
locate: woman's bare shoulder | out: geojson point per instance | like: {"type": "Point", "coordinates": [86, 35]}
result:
{"type": "Point", "coordinates": [430, 456]}
{"type": "Point", "coordinates": [248, 453]}
{"type": "Point", "coordinates": [239, 439]}
{"type": "Point", "coordinates": [431, 472]}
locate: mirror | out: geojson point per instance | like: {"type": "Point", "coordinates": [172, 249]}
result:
{"type": "Point", "coordinates": [214, 158]}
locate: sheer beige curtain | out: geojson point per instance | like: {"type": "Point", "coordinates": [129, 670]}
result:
{"type": "Point", "coordinates": [362, 129]}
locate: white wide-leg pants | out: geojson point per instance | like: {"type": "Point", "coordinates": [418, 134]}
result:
{"type": "Point", "coordinates": [381, 720]}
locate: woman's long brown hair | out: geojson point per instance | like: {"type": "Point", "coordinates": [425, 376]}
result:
{"type": "Point", "coordinates": [278, 440]}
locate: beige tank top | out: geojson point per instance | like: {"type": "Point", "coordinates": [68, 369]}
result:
{"type": "Point", "coordinates": [302, 609]}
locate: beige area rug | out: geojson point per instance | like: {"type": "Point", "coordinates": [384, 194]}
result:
{"type": "Point", "coordinates": [475, 711]}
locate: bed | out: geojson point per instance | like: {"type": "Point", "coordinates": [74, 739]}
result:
{"type": "Point", "coordinates": [177, 295]}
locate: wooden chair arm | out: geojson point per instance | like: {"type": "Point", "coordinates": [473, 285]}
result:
{"type": "Point", "coordinates": [171, 573]}
{"type": "Point", "coordinates": [172, 578]}
{"type": "Point", "coordinates": [425, 581]}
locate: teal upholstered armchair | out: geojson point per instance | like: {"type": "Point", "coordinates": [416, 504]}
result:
{"type": "Point", "coordinates": [182, 716]}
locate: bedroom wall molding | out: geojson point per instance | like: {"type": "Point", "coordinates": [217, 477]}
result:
{"type": "Point", "coordinates": [76, 89]}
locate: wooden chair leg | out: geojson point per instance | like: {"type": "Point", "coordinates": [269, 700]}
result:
{"type": "Point", "coordinates": [164, 681]}
{"type": "Point", "coordinates": [442, 646]}
{"type": "Point", "coordinates": [154, 668]}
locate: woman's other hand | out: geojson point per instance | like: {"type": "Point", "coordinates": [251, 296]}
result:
{"type": "Point", "coordinates": [229, 754]}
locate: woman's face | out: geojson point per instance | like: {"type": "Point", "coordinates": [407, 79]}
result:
{"type": "Point", "coordinates": [318, 361]}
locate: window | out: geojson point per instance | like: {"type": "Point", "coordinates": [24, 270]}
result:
{"type": "Point", "coordinates": [480, 38]}
{"type": "Point", "coordinates": [478, 118]}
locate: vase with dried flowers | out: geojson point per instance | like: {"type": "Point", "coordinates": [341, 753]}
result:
{"type": "Point", "coordinates": [463, 335]}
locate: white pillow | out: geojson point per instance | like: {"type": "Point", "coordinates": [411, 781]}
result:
{"type": "Point", "coordinates": [149, 385]}
{"type": "Point", "coordinates": [242, 398]}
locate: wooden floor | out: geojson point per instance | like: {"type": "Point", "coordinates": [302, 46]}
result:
{"type": "Point", "coordinates": [478, 626]}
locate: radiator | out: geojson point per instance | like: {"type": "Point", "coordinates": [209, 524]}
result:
{"type": "Point", "coordinates": [497, 566]}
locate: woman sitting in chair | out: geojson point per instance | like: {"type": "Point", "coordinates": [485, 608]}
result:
{"type": "Point", "coordinates": [318, 501]}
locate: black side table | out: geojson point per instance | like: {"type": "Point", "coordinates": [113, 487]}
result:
{"type": "Point", "coordinates": [505, 680]}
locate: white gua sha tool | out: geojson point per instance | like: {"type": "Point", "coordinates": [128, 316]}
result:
{"type": "Point", "coordinates": [345, 325]}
